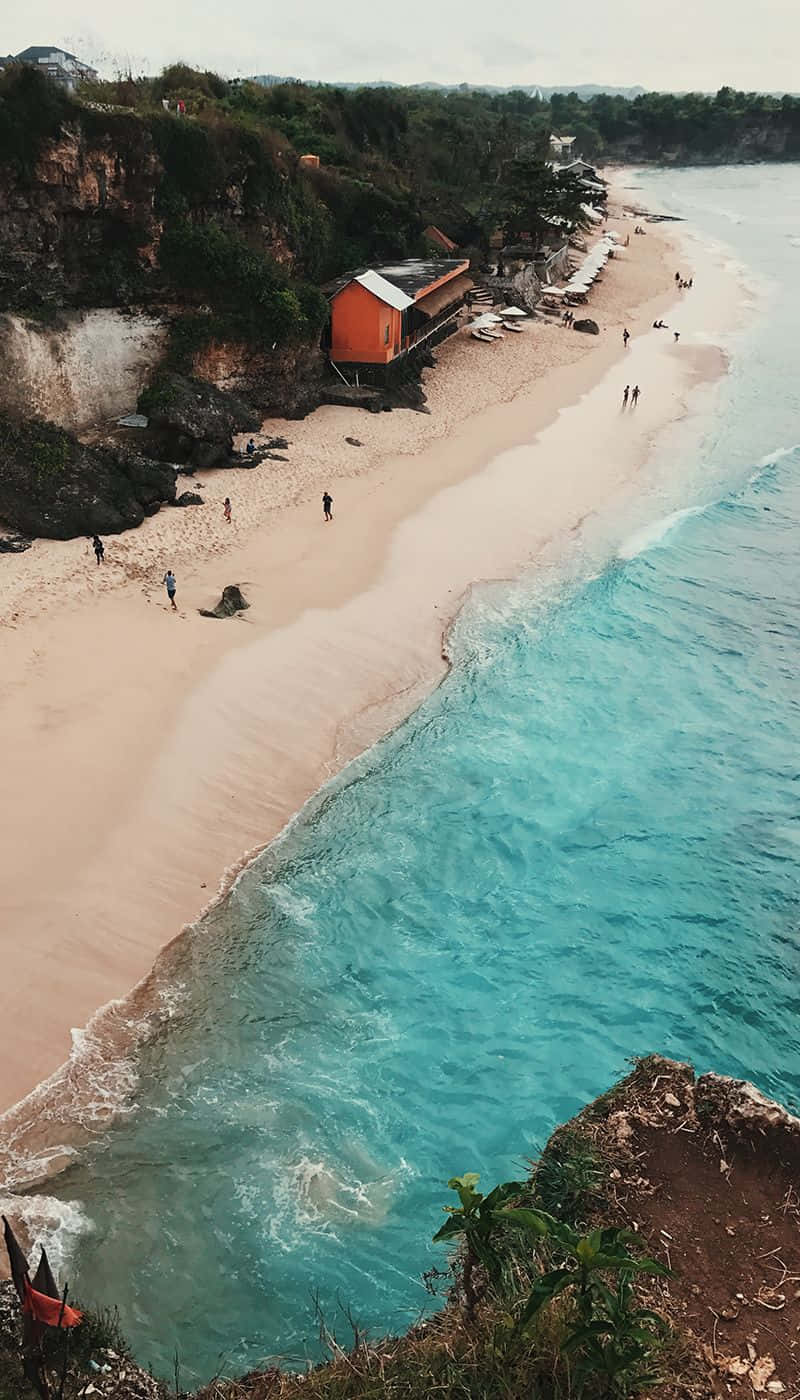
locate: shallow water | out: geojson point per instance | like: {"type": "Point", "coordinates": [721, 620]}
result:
{"type": "Point", "coordinates": [583, 847]}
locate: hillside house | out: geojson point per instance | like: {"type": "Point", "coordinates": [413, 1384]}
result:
{"type": "Point", "coordinates": [57, 64]}
{"type": "Point", "coordinates": [561, 146]}
{"type": "Point", "coordinates": [439, 240]}
{"type": "Point", "coordinates": [381, 314]}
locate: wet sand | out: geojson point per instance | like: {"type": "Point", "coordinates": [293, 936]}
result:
{"type": "Point", "coordinates": [147, 754]}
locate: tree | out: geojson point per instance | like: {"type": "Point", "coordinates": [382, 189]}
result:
{"type": "Point", "coordinates": [533, 197]}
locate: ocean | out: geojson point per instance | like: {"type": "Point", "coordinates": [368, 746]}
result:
{"type": "Point", "coordinates": [583, 847]}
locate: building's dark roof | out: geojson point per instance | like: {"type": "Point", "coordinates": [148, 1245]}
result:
{"type": "Point", "coordinates": [410, 276]}
{"type": "Point", "coordinates": [37, 51]}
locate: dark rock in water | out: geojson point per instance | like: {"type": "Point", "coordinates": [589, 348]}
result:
{"type": "Point", "coordinates": [54, 486]}
{"type": "Point", "coordinates": [194, 421]}
{"type": "Point", "coordinates": [16, 544]}
{"type": "Point", "coordinates": [588, 326]}
{"type": "Point", "coordinates": [229, 604]}
{"type": "Point", "coordinates": [189, 498]}
{"type": "Point", "coordinates": [354, 442]}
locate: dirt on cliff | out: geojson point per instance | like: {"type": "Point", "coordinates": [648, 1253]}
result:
{"type": "Point", "coordinates": [707, 1171]}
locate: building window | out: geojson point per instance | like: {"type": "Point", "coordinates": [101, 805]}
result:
{"type": "Point", "coordinates": [386, 334]}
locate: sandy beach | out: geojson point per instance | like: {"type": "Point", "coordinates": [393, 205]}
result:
{"type": "Point", "coordinates": [148, 754]}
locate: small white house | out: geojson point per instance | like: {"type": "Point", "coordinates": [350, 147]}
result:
{"type": "Point", "coordinates": [561, 146]}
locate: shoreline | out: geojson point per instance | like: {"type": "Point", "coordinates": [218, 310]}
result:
{"type": "Point", "coordinates": [253, 730]}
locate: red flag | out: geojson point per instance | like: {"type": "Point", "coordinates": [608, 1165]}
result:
{"type": "Point", "coordinates": [49, 1310]}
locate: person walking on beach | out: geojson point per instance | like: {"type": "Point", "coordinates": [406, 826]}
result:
{"type": "Point", "coordinates": [625, 396]}
{"type": "Point", "coordinates": [626, 335]}
{"type": "Point", "coordinates": [99, 549]}
{"type": "Point", "coordinates": [226, 509]}
{"type": "Point", "coordinates": [677, 335]}
{"type": "Point", "coordinates": [327, 502]}
{"type": "Point", "coordinates": [171, 585]}
{"type": "Point", "coordinates": [635, 394]}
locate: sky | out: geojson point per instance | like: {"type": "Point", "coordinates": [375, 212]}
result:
{"type": "Point", "coordinates": [616, 42]}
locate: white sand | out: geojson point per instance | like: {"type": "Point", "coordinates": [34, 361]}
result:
{"type": "Point", "coordinates": [146, 753]}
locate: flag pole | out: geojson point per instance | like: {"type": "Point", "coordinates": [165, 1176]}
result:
{"type": "Point", "coordinates": [66, 1344]}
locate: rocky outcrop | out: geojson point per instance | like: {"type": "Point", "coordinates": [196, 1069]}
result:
{"type": "Point", "coordinates": [231, 602]}
{"type": "Point", "coordinates": [194, 421]}
{"type": "Point", "coordinates": [517, 284]}
{"type": "Point", "coordinates": [54, 486]}
{"type": "Point", "coordinates": [283, 383]}
{"type": "Point", "coordinates": [587, 325]}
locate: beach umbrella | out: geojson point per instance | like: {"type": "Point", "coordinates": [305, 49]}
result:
{"type": "Point", "coordinates": [515, 310]}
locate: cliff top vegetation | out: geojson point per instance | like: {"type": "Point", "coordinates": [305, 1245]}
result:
{"type": "Point", "coordinates": [652, 1252]}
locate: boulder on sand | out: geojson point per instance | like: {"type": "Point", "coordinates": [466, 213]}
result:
{"type": "Point", "coordinates": [194, 421]}
{"type": "Point", "coordinates": [55, 487]}
{"type": "Point", "coordinates": [588, 326]}
{"type": "Point", "coordinates": [229, 604]}
{"type": "Point", "coordinates": [189, 498]}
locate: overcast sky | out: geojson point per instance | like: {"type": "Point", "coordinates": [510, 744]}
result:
{"type": "Point", "coordinates": [621, 42]}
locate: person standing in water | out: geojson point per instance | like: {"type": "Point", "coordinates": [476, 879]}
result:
{"type": "Point", "coordinates": [625, 396]}
{"type": "Point", "coordinates": [635, 394]}
{"type": "Point", "coordinates": [327, 502]}
{"type": "Point", "coordinates": [99, 549]}
{"type": "Point", "coordinates": [226, 509]}
{"type": "Point", "coordinates": [170, 583]}
{"type": "Point", "coordinates": [626, 335]}
{"type": "Point", "coordinates": [677, 335]}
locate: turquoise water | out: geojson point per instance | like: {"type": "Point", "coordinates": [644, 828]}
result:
{"type": "Point", "coordinates": [583, 847]}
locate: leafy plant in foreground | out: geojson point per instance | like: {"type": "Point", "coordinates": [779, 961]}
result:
{"type": "Point", "coordinates": [611, 1339]}
{"type": "Point", "coordinates": [477, 1219]}
{"type": "Point", "coordinates": [620, 1344]}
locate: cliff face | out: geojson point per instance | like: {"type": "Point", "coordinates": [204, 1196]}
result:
{"type": "Point", "coordinates": [88, 306]}
{"type": "Point", "coordinates": [89, 367]}
{"type": "Point", "coordinates": [285, 382]}
{"type": "Point", "coordinates": [62, 232]}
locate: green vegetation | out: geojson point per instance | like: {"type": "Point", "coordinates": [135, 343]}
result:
{"type": "Point", "coordinates": [32, 113]}
{"type": "Point", "coordinates": [690, 127]}
{"type": "Point", "coordinates": [48, 449]}
{"type": "Point", "coordinates": [533, 195]}
{"type": "Point", "coordinates": [392, 161]}
{"type": "Point", "coordinates": [68, 1353]}
{"type": "Point", "coordinates": [608, 1344]}
{"type": "Point", "coordinates": [252, 296]}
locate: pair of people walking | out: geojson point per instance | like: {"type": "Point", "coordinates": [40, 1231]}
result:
{"type": "Point", "coordinates": [632, 394]}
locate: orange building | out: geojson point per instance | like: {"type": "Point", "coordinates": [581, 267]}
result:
{"type": "Point", "coordinates": [381, 314]}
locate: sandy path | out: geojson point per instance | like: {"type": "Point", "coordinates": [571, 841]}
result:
{"type": "Point", "coordinates": [145, 752]}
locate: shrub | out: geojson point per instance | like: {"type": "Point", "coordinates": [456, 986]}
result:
{"type": "Point", "coordinates": [247, 290]}
{"type": "Point", "coordinates": [32, 113]}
